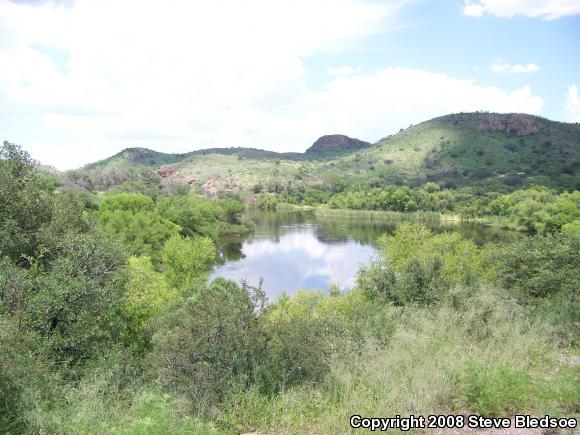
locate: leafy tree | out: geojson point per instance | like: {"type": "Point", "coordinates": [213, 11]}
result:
{"type": "Point", "coordinates": [132, 202]}
{"type": "Point", "coordinates": [538, 209]}
{"type": "Point", "coordinates": [419, 266]}
{"type": "Point", "coordinates": [134, 219]}
{"type": "Point", "coordinates": [538, 267]}
{"type": "Point", "coordinates": [147, 293]}
{"type": "Point", "coordinates": [73, 302]}
{"type": "Point", "coordinates": [195, 215]}
{"type": "Point", "coordinates": [185, 260]}
{"type": "Point", "coordinates": [209, 344]}
{"type": "Point", "coordinates": [25, 203]}
{"type": "Point", "coordinates": [231, 210]}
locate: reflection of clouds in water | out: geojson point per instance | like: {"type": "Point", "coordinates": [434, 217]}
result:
{"type": "Point", "coordinates": [297, 260]}
{"type": "Point", "coordinates": [298, 240]}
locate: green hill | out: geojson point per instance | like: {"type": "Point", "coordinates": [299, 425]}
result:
{"type": "Point", "coordinates": [495, 151]}
{"type": "Point", "coordinates": [136, 156]}
{"type": "Point", "coordinates": [476, 149]}
{"type": "Point", "coordinates": [325, 147]}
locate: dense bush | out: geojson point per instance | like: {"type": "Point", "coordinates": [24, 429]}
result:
{"type": "Point", "coordinates": [25, 376]}
{"type": "Point", "coordinates": [186, 259]}
{"type": "Point", "coordinates": [419, 266]}
{"type": "Point", "coordinates": [209, 344]}
{"type": "Point", "coordinates": [298, 347]}
{"type": "Point", "coordinates": [538, 210]}
{"type": "Point", "coordinates": [26, 203]}
{"type": "Point", "coordinates": [133, 218]}
{"type": "Point", "coordinates": [542, 272]}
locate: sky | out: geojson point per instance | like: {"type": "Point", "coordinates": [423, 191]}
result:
{"type": "Point", "coordinates": [82, 79]}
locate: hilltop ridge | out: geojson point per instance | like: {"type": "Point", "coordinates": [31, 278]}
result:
{"type": "Point", "coordinates": [335, 142]}
{"type": "Point", "coordinates": [464, 149]}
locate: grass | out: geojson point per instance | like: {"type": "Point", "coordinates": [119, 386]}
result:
{"type": "Point", "coordinates": [385, 215]}
{"type": "Point", "coordinates": [439, 360]}
{"type": "Point", "coordinates": [477, 352]}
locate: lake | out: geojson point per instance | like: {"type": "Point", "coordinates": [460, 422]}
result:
{"type": "Point", "coordinates": [300, 250]}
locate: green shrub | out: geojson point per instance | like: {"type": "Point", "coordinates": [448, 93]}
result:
{"type": "Point", "coordinates": [26, 378]}
{"type": "Point", "coordinates": [185, 260]}
{"type": "Point", "coordinates": [297, 351]}
{"type": "Point", "coordinates": [538, 267]}
{"type": "Point", "coordinates": [419, 266]}
{"type": "Point", "coordinates": [208, 345]}
{"type": "Point", "coordinates": [493, 389]}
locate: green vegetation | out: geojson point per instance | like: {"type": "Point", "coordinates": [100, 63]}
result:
{"type": "Point", "coordinates": [535, 210]}
{"type": "Point", "coordinates": [477, 151]}
{"type": "Point", "coordinates": [108, 323]}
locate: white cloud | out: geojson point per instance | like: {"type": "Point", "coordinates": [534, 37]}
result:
{"type": "Point", "coordinates": [181, 75]}
{"type": "Point", "coordinates": [342, 70]}
{"type": "Point", "coordinates": [371, 106]}
{"type": "Point", "coordinates": [573, 104]}
{"type": "Point", "coordinates": [506, 68]}
{"type": "Point", "coordinates": [545, 9]}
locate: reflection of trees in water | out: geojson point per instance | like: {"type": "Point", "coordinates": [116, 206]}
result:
{"type": "Point", "coordinates": [231, 250]}
{"type": "Point", "coordinates": [273, 226]}
{"type": "Point", "coordinates": [364, 231]}
{"type": "Point", "coordinates": [341, 230]}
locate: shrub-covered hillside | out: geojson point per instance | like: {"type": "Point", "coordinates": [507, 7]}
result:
{"type": "Point", "coordinates": [497, 151]}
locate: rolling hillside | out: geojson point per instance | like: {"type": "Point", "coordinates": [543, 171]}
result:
{"type": "Point", "coordinates": [495, 151]}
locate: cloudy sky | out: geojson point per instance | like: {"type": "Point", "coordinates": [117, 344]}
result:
{"type": "Point", "coordinates": [82, 79]}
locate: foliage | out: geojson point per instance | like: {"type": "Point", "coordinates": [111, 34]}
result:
{"type": "Point", "coordinates": [539, 266]}
{"type": "Point", "coordinates": [94, 342]}
{"type": "Point", "coordinates": [147, 294]}
{"type": "Point", "coordinates": [64, 282]}
{"type": "Point", "coordinates": [208, 344]}
{"type": "Point", "coordinates": [25, 377]}
{"type": "Point", "coordinates": [198, 216]}
{"type": "Point", "coordinates": [538, 210]}
{"type": "Point", "coordinates": [267, 202]}
{"type": "Point", "coordinates": [72, 300]}
{"type": "Point", "coordinates": [25, 203]}
{"type": "Point", "coordinates": [185, 260]}
{"type": "Point", "coordinates": [422, 367]}
{"type": "Point", "coordinates": [298, 348]}
{"type": "Point", "coordinates": [132, 217]}
{"type": "Point", "coordinates": [419, 266]}
{"type": "Point", "coordinates": [542, 271]}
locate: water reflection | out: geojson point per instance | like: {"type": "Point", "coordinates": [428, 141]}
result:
{"type": "Point", "coordinates": [300, 250]}
{"type": "Point", "coordinates": [296, 258]}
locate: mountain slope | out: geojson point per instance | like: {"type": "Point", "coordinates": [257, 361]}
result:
{"type": "Point", "coordinates": [336, 142]}
{"type": "Point", "coordinates": [495, 151]}
{"type": "Point", "coordinates": [324, 147]}
{"type": "Point", "coordinates": [478, 148]}
{"type": "Point", "coordinates": [136, 157]}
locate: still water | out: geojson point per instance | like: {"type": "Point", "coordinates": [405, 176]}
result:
{"type": "Point", "coordinates": [299, 250]}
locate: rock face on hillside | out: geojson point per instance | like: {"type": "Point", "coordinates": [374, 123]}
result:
{"type": "Point", "coordinates": [335, 142]}
{"type": "Point", "coordinates": [514, 124]}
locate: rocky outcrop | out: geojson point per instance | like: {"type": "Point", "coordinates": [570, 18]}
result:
{"type": "Point", "coordinates": [165, 171]}
{"type": "Point", "coordinates": [336, 142]}
{"type": "Point", "coordinates": [514, 124]}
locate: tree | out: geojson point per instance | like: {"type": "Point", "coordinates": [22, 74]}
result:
{"type": "Point", "coordinates": [25, 203]}
{"type": "Point", "coordinates": [74, 300]}
{"type": "Point", "coordinates": [419, 266]}
{"type": "Point", "coordinates": [209, 344]}
{"type": "Point", "coordinates": [135, 220]}
{"type": "Point", "coordinates": [147, 293]}
{"type": "Point", "coordinates": [186, 260]}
